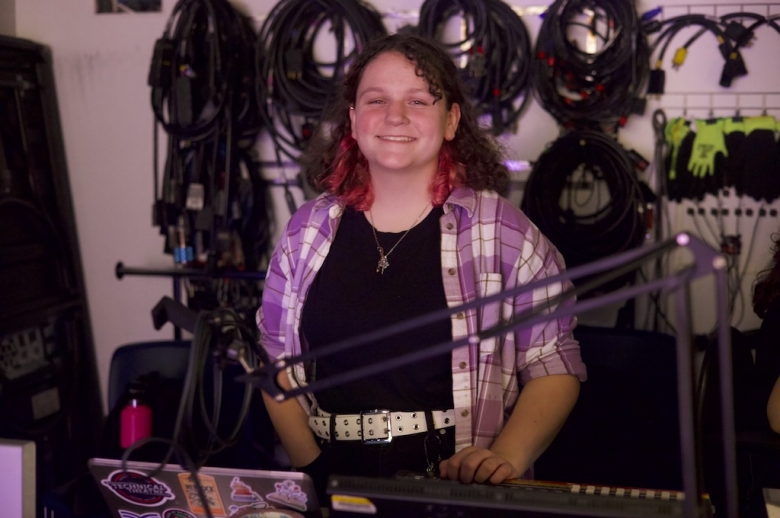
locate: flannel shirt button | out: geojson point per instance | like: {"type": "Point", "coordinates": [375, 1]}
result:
{"type": "Point", "coordinates": [465, 413]}
{"type": "Point", "coordinates": [460, 315]}
{"type": "Point", "coordinates": [451, 271]}
{"type": "Point", "coordinates": [450, 226]}
{"type": "Point", "coordinates": [462, 365]}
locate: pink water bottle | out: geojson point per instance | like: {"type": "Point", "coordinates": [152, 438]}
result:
{"type": "Point", "coordinates": [135, 423]}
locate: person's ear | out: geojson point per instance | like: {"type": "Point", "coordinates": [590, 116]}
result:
{"type": "Point", "coordinates": [453, 118]}
{"type": "Point", "coordinates": [352, 120]}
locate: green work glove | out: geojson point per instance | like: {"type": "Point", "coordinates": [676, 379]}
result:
{"type": "Point", "coordinates": [675, 131]}
{"type": "Point", "coordinates": [762, 122]}
{"type": "Point", "coordinates": [709, 143]}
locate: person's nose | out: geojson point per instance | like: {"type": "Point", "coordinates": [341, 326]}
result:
{"type": "Point", "coordinates": [396, 113]}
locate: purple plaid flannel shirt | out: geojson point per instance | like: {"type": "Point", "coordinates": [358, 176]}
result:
{"type": "Point", "coordinates": [487, 245]}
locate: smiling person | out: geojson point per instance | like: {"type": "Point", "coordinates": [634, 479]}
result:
{"type": "Point", "coordinates": [410, 221]}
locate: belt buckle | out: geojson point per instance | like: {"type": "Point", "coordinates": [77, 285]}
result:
{"type": "Point", "coordinates": [370, 414]}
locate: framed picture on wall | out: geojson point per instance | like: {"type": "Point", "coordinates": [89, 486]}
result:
{"type": "Point", "coordinates": [128, 6]}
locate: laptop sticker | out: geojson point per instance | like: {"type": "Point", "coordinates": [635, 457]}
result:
{"type": "Point", "coordinates": [137, 488]}
{"type": "Point", "coordinates": [288, 493]}
{"type": "Point", "coordinates": [133, 514]}
{"type": "Point", "coordinates": [209, 485]}
{"type": "Point", "coordinates": [241, 492]}
{"type": "Point", "coordinates": [269, 513]}
{"type": "Point", "coordinates": [177, 513]}
{"type": "Point", "coordinates": [238, 509]}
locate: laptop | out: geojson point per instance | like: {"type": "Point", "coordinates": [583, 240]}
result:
{"type": "Point", "coordinates": [139, 492]}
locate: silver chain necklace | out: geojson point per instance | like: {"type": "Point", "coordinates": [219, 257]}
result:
{"type": "Point", "coordinates": [383, 263]}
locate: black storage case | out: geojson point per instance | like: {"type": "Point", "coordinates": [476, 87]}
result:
{"type": "Point", "coordinates": [49, 388]}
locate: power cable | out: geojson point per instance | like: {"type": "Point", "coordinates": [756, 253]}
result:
{"type": "Point", "coordinates": [596, 87]}
{"type": "Point", "coordinates": [210, 200]}
{"type": "Point", "coordinates": [495, 55]}
{"type": "Point", "coordinates": [595, 164]}
{"type": "Point", "coordinates": [294, 85]}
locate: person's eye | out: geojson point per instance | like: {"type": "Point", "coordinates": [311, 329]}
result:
{"type": "Point", "coordinates": [376, 101]}
{"type": "Point", "coordinates": [419, 102]}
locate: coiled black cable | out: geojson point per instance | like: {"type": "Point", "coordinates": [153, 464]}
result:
{"type": "Point", "coordinates": [496, 51]}
{"type": "Point", "coordinates": [197, 73]}
{"type": "Point", "coordinates": [294, 86]}
{"type": "Point", "coordinates": [584, 195]}
{"type": "Point", "coordinates": [584, 89]}
{"type": "Point", "coordinates": [203, 95]}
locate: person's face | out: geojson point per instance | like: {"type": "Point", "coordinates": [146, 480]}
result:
{"type": "Point", "coordinates": [395, 121]}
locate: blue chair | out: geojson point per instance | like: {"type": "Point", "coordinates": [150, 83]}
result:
{"type": "Point", "coordinates": [170, 361]}
{"type": "Point", "coordinates": [169, 358]}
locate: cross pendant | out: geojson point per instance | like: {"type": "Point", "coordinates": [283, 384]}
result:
{"type": "Point", "coordinates": [382, 264]}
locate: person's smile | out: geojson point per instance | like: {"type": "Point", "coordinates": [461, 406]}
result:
{"type": "Point", "coordinates": [396, 138]}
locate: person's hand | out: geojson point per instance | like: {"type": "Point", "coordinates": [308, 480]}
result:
{"type": "Point", "coordinates": [478, 465]}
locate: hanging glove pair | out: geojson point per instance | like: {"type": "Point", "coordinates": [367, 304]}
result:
{"type": "Point", "coordinates": [733, 152]}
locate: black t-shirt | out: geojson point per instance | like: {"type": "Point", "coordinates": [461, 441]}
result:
{"type": "Point", "coordinates": [349, 298]}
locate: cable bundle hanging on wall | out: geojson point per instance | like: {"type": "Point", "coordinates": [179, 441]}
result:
{"type": "Point", "coordinates": [211, 205]}
{"type": "Point", "coordinates": [294, 86]}
{"type": "Point", "coordinates": [602, 84]}
{"type": "Point", "coordinates": [584, 195]}
{"type": "Point", "coordinates": [495, 55]}
{"type": "Point", "coordinates": [731, 37]}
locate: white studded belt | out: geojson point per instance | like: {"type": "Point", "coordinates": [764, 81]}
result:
{"type": "Point", "coordinates": [377, 426]}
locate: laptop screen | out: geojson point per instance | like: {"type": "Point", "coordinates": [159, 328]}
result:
{"type": "Point", "coordinates": [172, 492]}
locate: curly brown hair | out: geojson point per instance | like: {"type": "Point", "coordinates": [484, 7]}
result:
{"type": "Point", "coordinates": [767, 285]}
{"type": "Point", "coordinates": [477, 157]}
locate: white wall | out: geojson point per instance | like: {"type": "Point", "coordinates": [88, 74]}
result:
{"type": "Point", "coordinates": [7, 17]}
{"type": "Point", "coordinates": [101, 64]}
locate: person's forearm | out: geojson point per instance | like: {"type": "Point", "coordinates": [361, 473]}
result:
{"type": "Point", "coordinates": [292, 425]}
{"type": "Point", "coordinates": [773, 407]}
{"type": "Point", "coordinates": [540, 412]}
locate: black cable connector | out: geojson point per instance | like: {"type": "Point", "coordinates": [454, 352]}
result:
{"type": "Point", "coordinates": [655, 85]}
{"type": "Point", "coordinates": [738, 32]}
{"type": "Point", "coordinates": [732, 68]}
{"type": "Point", "coordinates": [638, 106]}
{"type": "Point", "coordinates": [160, 69]}
{"type": "Point", "coordinates": [293, 61]}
